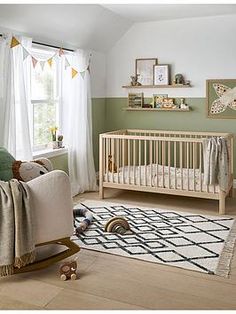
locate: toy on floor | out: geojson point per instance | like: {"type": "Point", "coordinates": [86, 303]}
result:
{"type": "Point", "coordinates": [68, 270]}
{"type": "Point", "coordinates": [82, 212]}
{"type": "Point", "coordinates": [118, 225]}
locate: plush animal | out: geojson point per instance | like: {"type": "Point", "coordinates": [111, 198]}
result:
{"type": "Point", "coordinates": [26, 171]}
{"type": "Point", "coordinates": [68, 270]}
{"type": "Point", "coordinates": [111, 163]}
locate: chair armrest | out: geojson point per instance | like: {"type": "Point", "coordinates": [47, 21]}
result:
{"type": "Point", "coordinates": [52, 205]}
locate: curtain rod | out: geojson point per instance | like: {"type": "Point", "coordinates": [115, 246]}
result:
{"type": "Point", "coordinates": [46, 45]}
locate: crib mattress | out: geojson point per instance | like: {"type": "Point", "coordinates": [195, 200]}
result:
{"type": "Point", "coordinates": [158, 176]}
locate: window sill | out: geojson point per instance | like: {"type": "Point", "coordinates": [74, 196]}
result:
{"type": "Point", "coordinates": [49, 152]}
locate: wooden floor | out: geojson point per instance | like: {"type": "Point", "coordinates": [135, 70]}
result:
{"type": "Point", "coordinates": [113, 282]}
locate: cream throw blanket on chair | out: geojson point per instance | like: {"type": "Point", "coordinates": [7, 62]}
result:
{"type": "Point", "coordinates": [17, 246]}
{"type": "Point", "coordinates": [216, 162]}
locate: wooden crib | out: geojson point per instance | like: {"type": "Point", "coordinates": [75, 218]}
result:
{"type": "Point", "coordinates": [169, 162]}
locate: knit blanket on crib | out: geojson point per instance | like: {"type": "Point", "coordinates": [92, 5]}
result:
{"type": "Point", "coordinates": [17, 246]}
{"type": "Point", "coordinates": [216, 162]}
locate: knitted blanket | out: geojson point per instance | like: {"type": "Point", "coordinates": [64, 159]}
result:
{"type": "Point", "coordinates": [17, 246]}
{"type": "Point", "coordinates": [216, 162]}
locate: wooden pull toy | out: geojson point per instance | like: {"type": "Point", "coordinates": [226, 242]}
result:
{"type": "Point", "coordinates": [68, 270]}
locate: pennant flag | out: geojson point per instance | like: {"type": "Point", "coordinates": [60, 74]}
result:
{"type": "Point", "coordinates": [34, 61]}
{"type": "Point", "coordinates": [25, 53]}
{"type": "Point", "coordinates": [73, 72]}
{"type": "Point", "coordinates": [49, 61]}
{"type": "Point", "coordinates": [14, 42]}
{"type": "Point", "coordinates": [82, 74]}
{"type": "Point", "coordinates": [88, 68]}
{"type": "Point", "coordinates": [61, 52]}
{"type": "Point", "coordinates": [67, 64]}
{"type": "Point", "coordinates": [42, 64]}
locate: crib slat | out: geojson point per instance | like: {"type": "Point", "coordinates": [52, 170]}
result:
{"type": "Point", "coordinates": [194, 165]}
{"type": "Point", "coordinates": [175, 162]}
{"type": "Point", "coordinates": [107, 153]}
{"type": "Point", "coordinates": [157, 162]}
{"type": "Point", "coordinates": [188, 157]}
{"type": "Point", "coordinates": [163, 163]}
{"type": "Point", "coordinates": [200, 166]}
{"type": "Point", "coordinates": [139, 160]}
{"type": "Point", "coordinates": [129, 152]}
{"type": "Point", "coordinates": [150, 158]}
{"type": "Point", "coordinates": [145, 162]}
{"type": "Point", "coordinates": [181, 163]}
{"type": "Point", "coordinates": [169, 178]}
{"type": "Point", "coordinates": [112, 159]}
{"type": "Point", "coordinates": [123, 161]}
{"type": "Point", "coordinates": [118, 159]}
{"type": "Point", "coordinates": [134, 161]}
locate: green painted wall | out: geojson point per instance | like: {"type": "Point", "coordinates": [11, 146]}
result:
{"type": "Point", "coordinates": [195, 120]}
{"type": "Point", "coordinates": [60, 162]}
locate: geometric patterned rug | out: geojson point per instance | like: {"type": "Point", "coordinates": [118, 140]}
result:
{"type": "Point", "coordinates": [191, 241]}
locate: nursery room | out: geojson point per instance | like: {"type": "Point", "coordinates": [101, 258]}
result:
{"type": "Point", "coordinates": [117, 156]}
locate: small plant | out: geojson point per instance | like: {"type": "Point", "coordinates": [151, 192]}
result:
{"type": "Point", "coordinates": [53, 131]}
{"type": "Point", "coordinates": [60, 138]}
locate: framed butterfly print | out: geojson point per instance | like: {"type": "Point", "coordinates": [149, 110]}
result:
{"type": "Point", "coordinates": [221, 98]}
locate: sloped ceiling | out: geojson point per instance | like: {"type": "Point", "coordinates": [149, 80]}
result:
{"type": "Point", "coordinates": [160, 12]}
{"type": "Point", "coordinates": [88, 26]}
{"type": "Point", "coordinates": [94, 26]}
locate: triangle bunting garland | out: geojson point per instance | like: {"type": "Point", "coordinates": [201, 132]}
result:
{"type": "Point", "coordinates": [49, 61]}
{"type": "Point", "coordinates": [14, 42]}
{"type": "Point", "coordinates": [25, 53]}
{"type": "Point", "coordinates": [60, 53]}
{"type": "Point", "coordinates": [82, 74]}
{"type": "Point", "coordinates": [73, 72]}
{"type": "Point", "coordinates": [34, 61]}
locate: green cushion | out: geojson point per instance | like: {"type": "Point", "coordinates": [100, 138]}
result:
{"type": "Point", "coordinates": [6, 161]}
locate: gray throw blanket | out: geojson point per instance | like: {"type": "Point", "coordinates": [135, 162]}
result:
{"type": "Point", "coordinates": [216, 162]}
{"type": "Point", "coordinates": [17, 246]}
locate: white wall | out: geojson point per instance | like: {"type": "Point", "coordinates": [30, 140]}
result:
{"type": "Point", "coordinates": [199, 48]}
{"type": "Point", "coordinates": [98, 74]}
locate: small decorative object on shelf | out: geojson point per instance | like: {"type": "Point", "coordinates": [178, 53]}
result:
{"type": "Point", "coordinates": [60, 141]}
{"type": "Point", "coordinates": [135, 100]}
{"type": "Point", "coordinates": [168, 103]}
{"type": "Point", "coordinates": [179, 80]}
{"type": "Point", "coordinates": [182, 104]}
{"type": "Point", "coordinates": [158, 100]}
{"type": "Point", "coordinates": [134, 80]}
{"type": "Point", "coordinates": [147, 106]}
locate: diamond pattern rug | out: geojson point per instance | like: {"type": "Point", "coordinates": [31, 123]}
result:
{"type": "Point", "coordinates": [196, 242]}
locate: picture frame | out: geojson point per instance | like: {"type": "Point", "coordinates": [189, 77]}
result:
{"type": "Point", "coordinates": [144, 70]}
{"type": "Point", "coordinates": [161, 75]}
{"type": "Point", "coordinates": [135, 100]}
{"type": "Point", "coordinates": [221, 98]}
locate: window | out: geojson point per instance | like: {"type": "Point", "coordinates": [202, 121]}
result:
{"type": "Point", "coordinates": [44, 111]}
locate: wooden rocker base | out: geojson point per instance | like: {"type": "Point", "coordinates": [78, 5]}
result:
{"type": "Point", "coordinates": [72, 249]}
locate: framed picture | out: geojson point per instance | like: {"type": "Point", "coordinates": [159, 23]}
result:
{"type": "Point", "coordinates": [135, 100]}
{"type": "Point", "coordinates": [158, 100]}
{"type": "Point", "coordinates": [221, 98]}
{"type": "Point", "coordinates": [144, 70]}
{"type": "Point", "coordinates": [161, 74]}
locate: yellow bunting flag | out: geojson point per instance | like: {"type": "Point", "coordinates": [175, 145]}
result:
{"type": "Point", "coordinates": [14, 42]}
{"type": "Point", "coordinates": [73, 72]}
{"type": "Point", "coordinates": [61, 52]}
{"type": "Point", "coordinates": [34, 61]}
{"type": "Point", "coordinates": [49, 61]}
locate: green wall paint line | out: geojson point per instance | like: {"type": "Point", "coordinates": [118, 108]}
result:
{"type": "Point", "coordinates": [194, 120]}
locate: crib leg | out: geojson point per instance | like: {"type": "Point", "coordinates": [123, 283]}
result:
{"type": "Point", "coordinates": [222, 203]}
{"type": "Point", "coordinates": [101, 192]}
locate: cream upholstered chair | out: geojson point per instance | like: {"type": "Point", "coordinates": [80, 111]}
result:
{"type": "Point", "coordinates": [53, 210]}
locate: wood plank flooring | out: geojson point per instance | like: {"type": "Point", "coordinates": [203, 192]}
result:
{"type": "Point", "coordinates": [112, 282]}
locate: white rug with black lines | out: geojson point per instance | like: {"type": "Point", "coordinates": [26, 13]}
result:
{"type": "Point", "coordinates": [191, 241]}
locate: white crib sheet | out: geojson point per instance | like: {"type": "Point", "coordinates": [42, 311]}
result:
{"type": "Point", "coordinates": [136, 175]}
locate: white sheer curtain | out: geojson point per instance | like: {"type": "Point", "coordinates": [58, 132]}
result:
{"type": "Point", "coordinates": [76, 113]}
{"type": "Point", "coordinates": [15, 98]}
